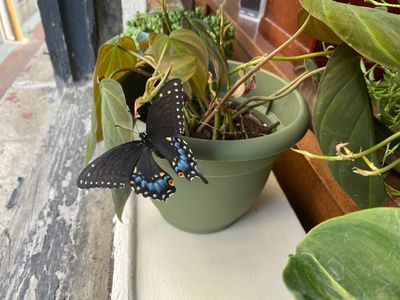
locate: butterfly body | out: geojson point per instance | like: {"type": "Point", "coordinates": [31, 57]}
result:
{"type": "Point", "coordinates": [132, 164]}
{"type": "Point", "coordinates": [145, 140]}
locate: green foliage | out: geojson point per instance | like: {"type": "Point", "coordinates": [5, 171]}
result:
{"type": "Point", "coordinates": [117, 127]}
{"type": "Point", "coordinates": [342, 114]}
{"type": "Point", "coordinates": [356, 256]}
{"type": "Point", "coordinates": [347, 116]}
{"type": "Point", "coordinates": [153, 22]}
{"type": "Point", "coordinates": [188, 56]}
{"type": "Point", "coordinates": [385, 94]}
{"type": "Point", "coordinates": [112, 55]}
{"type": "Point", "coordinates": [371, 32]}
{"type": "Point", "coordinates": [317, 29]}
{"type": "Point", "coordinates": [181, 49]}
{"type": "Point", "coordinates": [217, 58]}
{"type": "Point", "coordinates": [196, 53]}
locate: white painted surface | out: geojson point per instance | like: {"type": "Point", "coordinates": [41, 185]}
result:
{"type": "Point", "coordinates": [244, 261]}
{"type": "Point", "coordinates": [123, 285]}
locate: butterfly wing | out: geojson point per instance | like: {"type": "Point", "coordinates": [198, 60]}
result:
{"type": "Point", "coordinates": [150, 180]}
{"type": "Point", "coordinates": [165, 122]}
{"type": "Point", "coordinates": [165, 117]}
{"type": "Point", "coordinates": [180, 157]}
{"type": "Point", "coordinates": [112, 169]}
{"type": "Point", "coordinates": [132, 164]}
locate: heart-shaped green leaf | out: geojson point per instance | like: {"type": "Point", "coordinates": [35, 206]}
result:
{"type": "Point", "coordinates": [116, 125]}
{"type": "Point", "coordinates": [112, 55]}
{"type": "Point", "coordinates": [342, 113]}
{"type": "Point", "coordinates": [356, 256]}
{"type": "Point", "coordinates": [317, 29]}
{"type": "Point", "coordinates": [184, 43]}
{"type": "Point", "coordinates": [371, 32]}
{"type": "Point", "coordinates": [183, 67]}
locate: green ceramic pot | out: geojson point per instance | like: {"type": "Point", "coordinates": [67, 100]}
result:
{"type": "Point", "coordinates": [236, 170]}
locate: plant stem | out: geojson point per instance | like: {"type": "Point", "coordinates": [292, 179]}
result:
{"type": "Point", "coordinates": [350, 155]}
{"type": "Point", "coordinates": [190, 121]}
{"type": "Point", "coordinates": [160, 59]}
{"type": "Point", "coordinates": [141, 58]}
{"type": "Point", "coordinates": [281, 58]}
{"type": "Point", "coordinates": [377, 171]}
{"type": "Point", "coordinates": [392, 191]}
{"type": "Point", "coordinates": [166, 17]}
{"type": "Point", "coordinates": [383, 3]}
{"type": "Point", "coordinates": [221, 29]}
{"type": "Point", "coordinates": [157, 88]}
{"type": "Point", "coordinates": [217, 124]}
{"type": "Point", "coordinates": [231, 126]}
{"type": "Point", "coordinates": [284, 91]}
{"type": "Point", "coordinates": [152, 80]}
{"type": "Point", "coordinates": [263, 61]}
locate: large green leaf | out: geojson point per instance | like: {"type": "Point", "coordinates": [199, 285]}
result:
{"type": "Point", "coordinates": [217, 58]}
{"type": "Point", "coordinates": [117, 126]}
{"type": "Point", "coordinates": [187, 45]}
{"type": "Point", "coordinates": [372, 32]}
{"type": "Point", "coordinates": [112, 55]}
{"type": "Point", "coordinates": [356, 256]}
{"type": "Point", "coordinates": [343, 114]}
{"type": "Point", "coordinates": [317, 29]}
{"type": "Point", "coordinates": [184, 67]}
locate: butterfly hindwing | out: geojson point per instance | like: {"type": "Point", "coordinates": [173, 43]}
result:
{"type": "Point", "coordinates": [180, 157]}
{"type": "Point", "coordinates": [165, 117]}
{"type": "Point", "coordinates": [150, 180]}
{"type": "Point", "coordinates": [113, 168]}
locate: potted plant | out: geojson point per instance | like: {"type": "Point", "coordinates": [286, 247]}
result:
{"type": "Point", "coordinates": [228, 113]}
{"type": "Point", "coordinates": [355, 114]}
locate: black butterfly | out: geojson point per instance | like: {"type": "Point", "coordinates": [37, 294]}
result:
{"type": "Point", "coordinates": [132, 164]}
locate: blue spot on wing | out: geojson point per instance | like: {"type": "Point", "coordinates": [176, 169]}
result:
{"type": "Point", "coordinates": [184, 162]}
{"type": "Point", "coordinates": [160, 187]}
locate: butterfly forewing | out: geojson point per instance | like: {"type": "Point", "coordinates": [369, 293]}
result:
{"type": "Point", "coordinates": [165, 123]}
{"type": "Point", "coordinates": [165, 117]}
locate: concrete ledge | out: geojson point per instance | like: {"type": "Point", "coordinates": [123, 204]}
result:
{"type": "Point", "coordinates": [55, 241]}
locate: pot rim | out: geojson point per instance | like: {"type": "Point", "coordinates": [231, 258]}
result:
{"type": "Point", "coordinates": [255, 148]}
{"type": "Point", "coordinates": [276, 142]}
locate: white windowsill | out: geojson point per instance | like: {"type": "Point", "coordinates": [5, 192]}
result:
{"type": "Point", "coordinates": [154, 260]}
